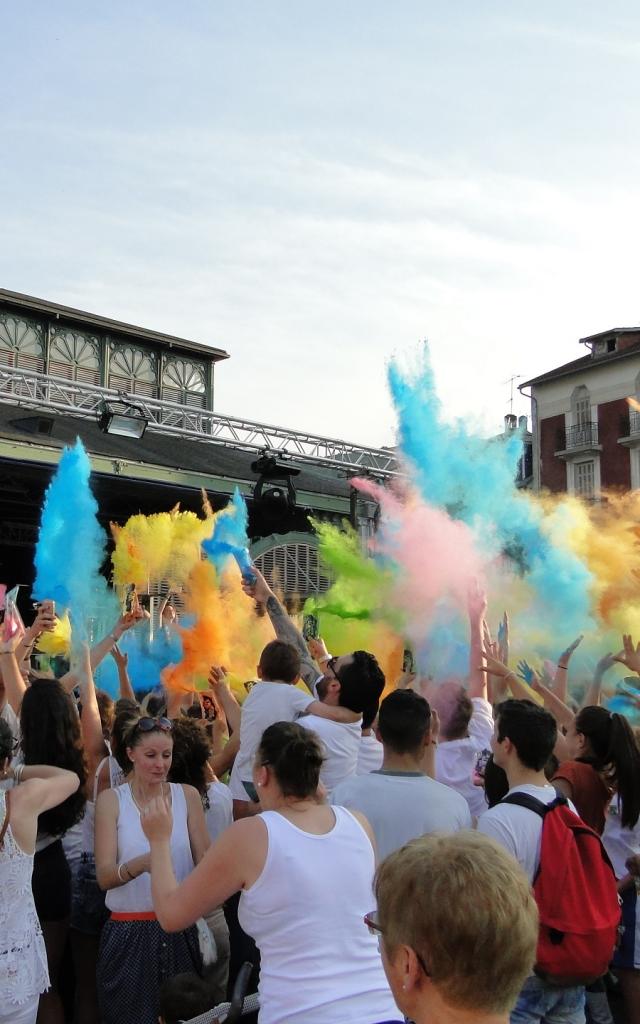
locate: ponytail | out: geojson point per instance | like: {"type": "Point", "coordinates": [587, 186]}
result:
{"type": "Point", "coordinates": [616, 754]}
{"type": "Point", "coordinates": [624, 756]}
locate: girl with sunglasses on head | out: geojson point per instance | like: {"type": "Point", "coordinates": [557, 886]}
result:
{"type": "Point", "coordinates": [136, 955]}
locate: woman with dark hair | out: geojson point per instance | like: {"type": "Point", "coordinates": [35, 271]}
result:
{"type": "Point", "coordinates": [305, 872]}
{"type": "Point", "coordinates": [604, 759]}
{"type": "Point", "coordinates": [50, 734]}
{"type": "Point", "coordinates": [190, 765]}
{"type": "Point", "coordinates": [136, 955]}
{"type": "Point", "coordinates": [37, 790]}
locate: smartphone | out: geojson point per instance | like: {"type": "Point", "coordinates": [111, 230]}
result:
{"type": "Point", "coordinates": [408, 661]}
{"type": "Point", "coordinates": [130, 598]}
{"type": "Point", "coordinates": [310, 630]}
{"type": "Point", "coordinates": [482, 760]}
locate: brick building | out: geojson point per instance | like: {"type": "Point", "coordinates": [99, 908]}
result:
{"type": "Point", "coordinates": [586, 438]}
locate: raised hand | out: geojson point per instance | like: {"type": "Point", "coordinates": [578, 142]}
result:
{"type": "Point", "coordinates": [629, 655]}
{"type": "Point", "coordinates": [526, 672]}
{"type": "Point", "coordinates": [565, 657]}
{"type": "Point", "coordinates": [606, 662]}
{"type": "Point", "coordinates": [156, 820]}
{"type": "Point", "coordinates": [121, 658]}
{"type": "Point", "coordinates": [493, 666]}
{"type": "Point", "coordinates": [503, 639]}
{"type": "Point", "coordinates": [318, 649]}
{"type": "Point", "coordinates": [9, 646]}
{"type": "Point", "coordinates": [260, 591]}
{"type": "Point", "coordinates": [217, 676]}
{"type": "Point", "coordinates": [477, 602]}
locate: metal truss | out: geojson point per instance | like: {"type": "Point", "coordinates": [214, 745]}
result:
{"type": "Point", "coordinates": [46, 393]}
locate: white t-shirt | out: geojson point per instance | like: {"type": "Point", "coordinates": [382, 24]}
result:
{"type": "Point", "coordinates": [620, 843]}
{"type": "Point", "coordinates": [518, 829]}
{"type": "Point", "coordinates": [220, 812]}
{"type": "Point", "coordinates": [401, 806]}
{"type": "Point", "coordinates": [370, 755]}
{"type": "Point", "coordinates": [341, 742]}
{"type": "Point", "coordinates": [267, 703]}
{"type": "Point", "coordinates": [455, 759]}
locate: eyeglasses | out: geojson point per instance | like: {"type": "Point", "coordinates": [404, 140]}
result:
{"type": "Point", "coordinates": [332, 665]}
{"type": "Point", "coordinates": [375, 928]}
{"type": "Point", "coordinates": [152, 724]}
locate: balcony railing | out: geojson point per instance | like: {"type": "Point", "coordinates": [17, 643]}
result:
{"type": "Point", "coordinates": [634, 423]}
{"type": "Point", "coordinates": [581, 435]}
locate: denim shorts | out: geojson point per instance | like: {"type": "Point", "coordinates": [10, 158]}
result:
{"type": "Point", "coordinates": [540, 1001]}
{"type": "Point", "coordinates": [88, 910]}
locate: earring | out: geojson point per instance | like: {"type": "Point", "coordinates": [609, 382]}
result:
{"type": "Point", "coordinates": [259, 785]}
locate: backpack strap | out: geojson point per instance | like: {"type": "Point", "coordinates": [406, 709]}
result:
{"type": "Point", "coordinates": [533, 804]}
{"type": "Point", "coordinates": [7, 815]}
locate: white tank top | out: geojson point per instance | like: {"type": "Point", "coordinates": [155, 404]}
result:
{"type": "Point", "coordinates": [23, 958]}
{"type": "Point", "coordinates": [136, 895]}
{"type": "Point", "coordinates": [318, 961]}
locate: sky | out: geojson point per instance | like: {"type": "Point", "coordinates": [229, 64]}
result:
{"type": "Point", "coordinates": [315, 187]}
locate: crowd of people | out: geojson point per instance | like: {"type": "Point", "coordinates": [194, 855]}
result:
{"type": "Point", "coordinates": [380, 850]}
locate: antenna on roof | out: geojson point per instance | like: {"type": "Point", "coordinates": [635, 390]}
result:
{"type": "Point", "coordinates": [510, 380]}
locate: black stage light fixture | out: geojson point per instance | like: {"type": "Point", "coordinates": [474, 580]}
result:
{"type": "Point", "coordinates": [123, 419]}
{"type": "Point", "coordinates": [275, 486]}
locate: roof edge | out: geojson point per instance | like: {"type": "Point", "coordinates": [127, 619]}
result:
{"type": "Point", "coordinates": [31, 302]}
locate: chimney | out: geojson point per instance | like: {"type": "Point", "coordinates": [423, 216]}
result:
{"type": "Point", "coordinates": [510, 422]}
{"type": "Point", "coordinates": [523, 424]}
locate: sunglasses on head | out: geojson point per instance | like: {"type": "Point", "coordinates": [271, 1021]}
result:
{"type": "Point", "coordinates": [152, 724]}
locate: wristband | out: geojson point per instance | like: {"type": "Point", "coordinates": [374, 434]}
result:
{"type": "Point", "coordinates": [325, 657]}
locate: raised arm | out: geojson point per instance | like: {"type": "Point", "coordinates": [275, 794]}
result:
{"type": "Point", "coordinates": [593, 694]}
{"type": "Point", "coordinates": [92, 737]}
{"type": "Point", "coordinates": [561, 679]}
{"type": "Point", "coordinates": [220, 687]}
{"type": "Point", "coordinates": [106, 645]}
{"type": "Point", "coordinates": [233, 861]}
{"type": "Point", "coordinates": [14, 685]}
{"type": "Point", "coordinates": [285, 628]}
{"type": "Point", "coordinates": [477, 608]}
{"type": "Point", "coordinates": [122, 662]}
{"type": "Point", "coordinates": [45, 620]}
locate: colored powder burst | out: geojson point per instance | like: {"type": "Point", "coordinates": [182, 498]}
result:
{"type": "Point", "coordinates": [147, 659]}
{"type": "Point", "coordinates": [473, 479]}
{"type": "Point", "coordinates": [203, 644]}
{"type": "Point", "coordinates": [229, 538]}
{"type": "Point", "coordinates": [226, 630]}
{"type": "Point", "coordinates": [158, 548]}
{"type": "Point", "coordinates": [345, 635]}
{"type": "Point", "coordinates": [362, 586]}
{"type": "Point", "coordinates": [71, 549]}
{"type": "Point", "coordinates": [435, 560]}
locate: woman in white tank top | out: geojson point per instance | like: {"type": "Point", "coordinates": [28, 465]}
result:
{"type": "Point", "coordinates": [136, 955]}
{"type": "Point", "coordinates": [23, 958]}
{"type": "Point", "coordinates": [305, 871]}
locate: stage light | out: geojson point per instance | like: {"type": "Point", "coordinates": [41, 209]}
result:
{"type": "Point", "coordinates": [123, 419]}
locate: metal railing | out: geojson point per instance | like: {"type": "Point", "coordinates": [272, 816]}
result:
{"type": "Point", "coordinates": [581, 435]}
{"type": "Point", "coordinates": [634, 423]}
{"type": "Point", "coordinates": [44, 392]}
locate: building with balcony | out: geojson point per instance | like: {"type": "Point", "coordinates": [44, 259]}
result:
{"type": "Point", "coordinates": [142, 403]}
{"type": "Point", "coordinates": [586, 436]}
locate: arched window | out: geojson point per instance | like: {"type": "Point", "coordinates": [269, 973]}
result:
{"type": "Point", "coordinates": [21, 343]}
{"type": "Point", "coordinates": [184, 382]}
{"type": "Point", "coordinates": [133, 370]}
{"type": "Point", "coordinates": [74, 356]}
{"type": "Point", "coordinates": [581, 406]}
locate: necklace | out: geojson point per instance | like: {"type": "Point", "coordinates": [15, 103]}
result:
{"type": "Point", "coordinates": [133, 796]}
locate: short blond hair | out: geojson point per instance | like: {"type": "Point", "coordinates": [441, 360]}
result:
{"type": "Point", "coordinates": [465, 905]}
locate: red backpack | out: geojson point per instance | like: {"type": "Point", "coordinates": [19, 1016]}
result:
{"type": "Point", "coordinates": [575, 889]}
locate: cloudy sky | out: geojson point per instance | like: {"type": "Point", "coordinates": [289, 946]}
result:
{"type": "Point", "coordinates": [315, 186]}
